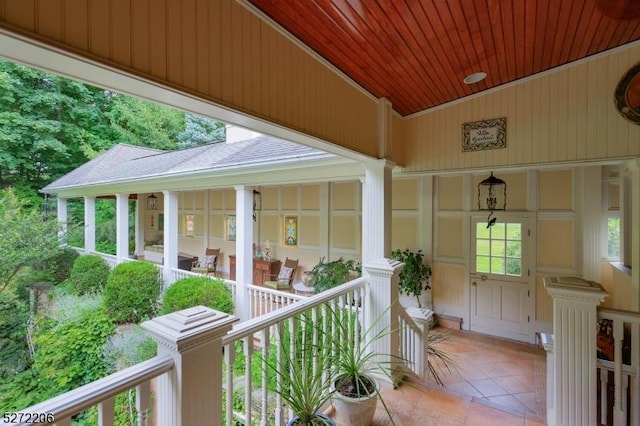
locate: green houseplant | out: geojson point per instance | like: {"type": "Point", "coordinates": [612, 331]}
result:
{"type": "Point", "coordinates": [414, 277]}
{"type": "Point", "coordinates": [302, 372]}
{"type": "Point", "coordinates": [326, 275]}
{"type": "Point", "coordinates": [356, 389]}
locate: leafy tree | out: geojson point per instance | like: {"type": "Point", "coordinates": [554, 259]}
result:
{"type": "Point", "coordinates": [144, 123]}
{"type": "Point", "coordinates": [200, 131]}
{"type": "Point", "coordinates": [47, 124]}
{"type": "Point", "coordinates": [27, 238]}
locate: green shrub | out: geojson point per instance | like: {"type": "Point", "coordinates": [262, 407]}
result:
{"type": "Point", "coordinates": [14, 353]}
{"type": "Point", "coordinates": [60, 265]}
{"type": "Point", "coordinates": [69, 354]}
{"type": "Point", "coordinates": [193, 291]}
{"type": "Point", "coordinates": [89, 273]}
{"type": "Point", "coordinates": [132, 291]}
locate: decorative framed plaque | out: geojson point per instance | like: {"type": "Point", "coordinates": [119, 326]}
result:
{"type": "Point", "coordinates": [290, 231]}
{"type": "Point", "coordinates": [485, 134]}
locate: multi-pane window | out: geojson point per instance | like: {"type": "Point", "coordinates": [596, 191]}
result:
{"type": "Point", "coordinates": [499, 249]}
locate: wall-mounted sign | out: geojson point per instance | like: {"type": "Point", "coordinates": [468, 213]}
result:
{"type": "Point", "coordinates": [485, 134]}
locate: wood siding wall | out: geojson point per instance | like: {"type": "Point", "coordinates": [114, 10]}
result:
{"type": "Point", "coordinates": [217, 50]}
{"type": "Point", "coordinates": [567, 115]}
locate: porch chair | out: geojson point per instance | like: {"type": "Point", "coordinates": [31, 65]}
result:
{"type": "Point", "coordinates": [285, 277]}
{"type": "Point", "coordinates": [209, 262]}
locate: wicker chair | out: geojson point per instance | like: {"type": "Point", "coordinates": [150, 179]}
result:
{"type": "Point", "coordinates": [208, 263]}
{"type": "Point", "coordinates": [284, 279]}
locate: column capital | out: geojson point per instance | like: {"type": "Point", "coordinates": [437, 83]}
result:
{"type": "Point", "coordinates": [378, 163]}
{"type": "Point", "coordinates": [383, 267]}
{"type": "Point", "coordinates": [575, 289]}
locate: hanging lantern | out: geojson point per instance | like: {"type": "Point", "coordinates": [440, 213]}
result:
{"type": "Point", "coordinates": [152, 202]}
{"type": "Point", "coordinates": [257, 203]}
{"type": "Point", "coordinates": [492, 196]}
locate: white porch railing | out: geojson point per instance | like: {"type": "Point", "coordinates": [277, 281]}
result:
{"type": "Point", "coordinates": [412, 343]}
{"type": "Point", "coordinates": [102, 393]}
{"type": "Point", "coordinates": [192, 342]}
{"type": "Point", "coordinates": [78, 250]}
{"type": "Point", "coordinates": [260, 403]}
{"type": "Point", "coordinates": [111, 259]}
{"type": "Point", "coordinates": [263, 300]}
{"type": "Point", "coordinates": [619, 384]}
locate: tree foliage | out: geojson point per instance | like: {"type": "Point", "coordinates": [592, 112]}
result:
{"type": "Point", "coordinates": [27, 237]}
{"type": "Point", "coordinates": [47, 124]}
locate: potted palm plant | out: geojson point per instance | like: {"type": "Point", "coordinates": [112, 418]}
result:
{"type": "Point", "coordinates": [355, 386]}
{"type": "Point", "coordinates": [302, 372]}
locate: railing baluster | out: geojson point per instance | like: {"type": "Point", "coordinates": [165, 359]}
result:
{"type": "Point", "coordinates": [248, 353]}
{"type": "Point", "coordinates": [63, 422]}
{"type": "Point", "coordinates": [279, 415]}
{"type": "Point", "coordinates": [143, 402]}
{"type": "Point", "coordinates": [230, 358]}
{"type": "Point", "coordinates": [105, 412]}
{"type": "Point", "coordinates": [266, 340]}
{"type": "Point", "coordinates": [604, 381]}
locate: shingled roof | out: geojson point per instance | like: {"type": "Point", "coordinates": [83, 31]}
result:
{"type": "Point", "coordinates": [123, 163]}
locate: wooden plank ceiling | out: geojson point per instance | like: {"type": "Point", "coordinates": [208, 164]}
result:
{"type": "Point", "coordinates": [416, 53]}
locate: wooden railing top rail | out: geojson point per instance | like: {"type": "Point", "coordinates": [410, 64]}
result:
{"type": "Point", "coordinates": [79, 399]}
{"type": "Point", "coordinates": [410, 321]}
{"type": "Point", "coordinates": [617, 314]}
{"type": "Point", "coordinates": [247, 328]}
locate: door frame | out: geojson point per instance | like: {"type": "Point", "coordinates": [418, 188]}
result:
{"type": "Point", "coordinates": [528, 259]}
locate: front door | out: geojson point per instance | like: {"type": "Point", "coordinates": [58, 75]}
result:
{"type": "Point", "coordinates": [500, 282]}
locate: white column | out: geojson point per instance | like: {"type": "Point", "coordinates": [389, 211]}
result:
{"type": "Point", "coordinates": [63, 220]}
{"type": "Point", "coordinates": [376, 211]}
{"type": "Point", "coordinates": [574, 354]}
{"type": "Point", "coordinates": [383, 309]}
{"type": "Point", "coordinates": [122, 227]}
{"type": "Point", "coordinates": [590, 211]}
{"type": "Point", "coordinates": [244, 249]}
{"type": "Point", "coordinates": [89, 224]}
{"type": "Point", "coordinates": [139, 225]}
{"type": "Point", "coordinates": [206, 225]}
{"type": "Point", "coordinates": [325, 212]}
{"type": "Point", "coordinates": [191, 393]}
{"type": "Point", "coordinates": [170, 232]}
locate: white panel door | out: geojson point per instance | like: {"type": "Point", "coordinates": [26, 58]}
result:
{"type": "Point", "coordinates": [500, 286]}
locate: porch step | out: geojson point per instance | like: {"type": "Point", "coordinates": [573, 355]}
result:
{"type": "Point", "coordinates": [447, 321]}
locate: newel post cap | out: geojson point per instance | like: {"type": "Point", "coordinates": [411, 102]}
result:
{"type": "Point", "coordinates": [189, 328]}
{"type": "Point", "coordinates": [383, 267]}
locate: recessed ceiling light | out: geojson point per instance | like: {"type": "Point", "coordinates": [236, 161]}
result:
{"type": "Point", "coordinates": [475, 77]}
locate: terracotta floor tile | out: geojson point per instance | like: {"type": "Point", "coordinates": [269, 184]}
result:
{"type": "Point", "coordinates": [481, 415]}
{"type": "Point", "coordinates": [488, 387]}
{"type": "Point", "coordinates": [517, 384]}
{"type": "Point", "coordinates": [495, 382]}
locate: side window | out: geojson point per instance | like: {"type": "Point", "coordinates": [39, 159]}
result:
{"type": "Point", "coordinates": [611, 224]}
{"type": "Point", "coordinates": [499, 249]}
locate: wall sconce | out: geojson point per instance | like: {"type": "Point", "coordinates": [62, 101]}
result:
{"type": "Point", "coordinates": [492, 196]}
{"type": "Point", "coordinates": [257, 203]}
{"type": "Point", "coordinates": [152, 202]}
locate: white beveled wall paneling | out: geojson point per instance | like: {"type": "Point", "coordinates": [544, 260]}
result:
{"type": "Point", "coordinates": [564, 115]}
{"type": "Point", "coordinates": [217, 50]}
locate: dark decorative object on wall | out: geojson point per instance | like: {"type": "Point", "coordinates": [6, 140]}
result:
{"type": "Point", "coordinates": [492, 196]}
{"type": "Point", "coordinates": [152, 202]}
{"type": "Point", "coordinates": [627, 95]}
{"type": "Point", "coordinates": [485, 134]}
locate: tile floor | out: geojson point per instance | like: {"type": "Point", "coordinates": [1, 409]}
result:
{"type": "Point", "coordinates": [496, 382]}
